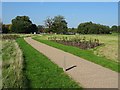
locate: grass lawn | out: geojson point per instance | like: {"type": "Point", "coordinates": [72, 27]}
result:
{"type": "Point", "coordinates": [41, 72]}
{"type": "Point", "coordinates": [86, 54]}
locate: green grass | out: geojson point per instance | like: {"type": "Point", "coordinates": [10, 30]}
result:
{"type": "Point", "coordinates": [86, 54]}
{"type": "Point", "coordinates": [41, 72]}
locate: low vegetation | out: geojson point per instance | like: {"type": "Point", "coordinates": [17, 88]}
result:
{"type": "Point", "coordinates": [79, 42]}
{"type": "Point", "coordinates": [41, 72]}
{"type": "Point", "coordinates": [9, 37]}
{"type": "Point", "coordinates": [12, 65]}
{"type": "Point", "coordinates": [86, 54]}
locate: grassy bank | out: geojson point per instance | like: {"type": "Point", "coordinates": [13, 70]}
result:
{"type": "Point", "coordinates": [41, 72]}
{"type": "Point", "coordinates": [88, 55]}
{"type": "Point", "coordinates": [12, 65]}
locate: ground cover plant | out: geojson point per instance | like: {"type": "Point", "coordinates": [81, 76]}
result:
{"type": "Point", "coordinates": [41, 72]}
{"type": "Point", "coordinates": [86, 54]}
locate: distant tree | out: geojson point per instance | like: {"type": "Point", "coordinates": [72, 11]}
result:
{"type": "Point", "coordinates": [4, 29]}
{"type": "Point", "coordinates": [118, 29]}
{"type": "Point", "coordinates": [114, 28]}
{"type": "Point", "coordinates": [92, 28]}
{"type": "Point", "coordinates": [72, 30]}
{"type": "Point", "coordinates": [22, 24]}
{"type": "Point", "coordinates": [48, 24]}
{"type": "Point", "coordinates": [8, 26]}
{"type": "Point", "coordinates": [0, 26]}
{"type": "Point", "coordinates": [32, 28]}
{"type": "Point", "coordinates": [59, 25]}
{"type": "Point", "coordinates": [41, 29]}
{"type": "Point", "coordinates": [56, 25]}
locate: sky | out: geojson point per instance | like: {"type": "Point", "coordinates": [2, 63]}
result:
{"type": "Point", "coordinates": [60, 0]}
{"type": "Point", "coordinates": [105, 13]}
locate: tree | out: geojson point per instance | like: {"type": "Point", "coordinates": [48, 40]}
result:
{"type": "Point", "coordinates": [59, 25]}
{"type": "Point", "coordinates": [49, 23]}
{"type": "Point", "coordinates": [4, 29]}
{"type": "Point", "coordinates": [32, 28]}
{"type": "Point", "coordinates": [10, 29]}
{"type": "Point", "coordinates": [92, 28]}
{"type": "Point", "coordinates": [56, 25]}
{"type": "Point", "coordinates": [22, 24]}
{"type": "Point", "coordinates": [114, 28]}
{"type": "Point", "coordinates": [8, 26]}
{"type": "Point", "coordinates": [71, 31]}
{"type": "Point", "coordinates": [41, 29]}
{"type": "Point", "coordinates": [119, 29]}
{"type": "Point", "coordinates": [0, 26]}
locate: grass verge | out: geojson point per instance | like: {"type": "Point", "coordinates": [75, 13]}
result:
{"type": "Point", "coordinates": [41, 72]}
{"type": "Point", "coordinates": [88, 55]}
{"type": "Point", "coordinates": [12, 65]}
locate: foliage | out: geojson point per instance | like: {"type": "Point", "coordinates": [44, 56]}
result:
{"type": "Point", "coordinates": [32, 28]}
{"type": "Point", "coordinates": [22, 24]}
{"type": "Point", "coordinates": [4, 29]}
{"type": "Point", "coordinates": [41, 72]}
{"type": "Point", "coordinates": [41, 29]}
{"type": "Point", "coordinates": [56, 25]}
{"type": "Point", "coordinates": [114, 28]}
{"type": "Point", "coordinates": [59, 25]}
{"type": "Point", "coordinates": [48, 24]}
{"type": "Point", "coordinates": [92, 28]}
{"type": "Point", "coordinates": [72, 31]}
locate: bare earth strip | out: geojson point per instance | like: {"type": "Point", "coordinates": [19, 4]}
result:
{"type": "Point", "coordinates": [88, 74]}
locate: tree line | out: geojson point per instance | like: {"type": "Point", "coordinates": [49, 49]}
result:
{"type": "Point", "coordinates": [58, 25]}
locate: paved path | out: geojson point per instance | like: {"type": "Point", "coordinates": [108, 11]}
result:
{"type": "Point", "coordinates": [88, 74]}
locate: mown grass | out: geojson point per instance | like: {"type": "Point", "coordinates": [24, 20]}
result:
{"type": "Point", "coordinates": [12, 65]}
{"type": "Point", "coordinates": [88, 55]}
{"type": "Point", "coordinates": [41, 72]}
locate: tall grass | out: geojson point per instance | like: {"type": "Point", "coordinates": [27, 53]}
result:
{"type": "Point", "coordinates": [12, 66]}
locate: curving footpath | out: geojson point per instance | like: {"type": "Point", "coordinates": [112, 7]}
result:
{"type": "Point", "coordinates": [87, 74]}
